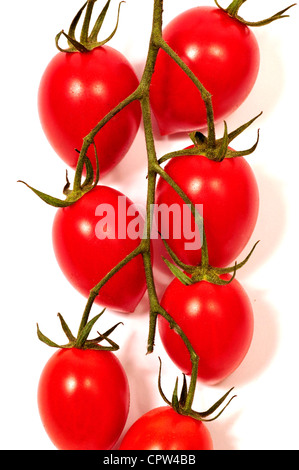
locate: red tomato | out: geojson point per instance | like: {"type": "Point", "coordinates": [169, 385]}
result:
{"type": "Point", "coordinates": [91, 237]}
{"type": "Point", "coordinates": [164, 429]}
{"type": "Point", "coordinates": [76, 91]}
{"type": "Point", "coordinates": [223, 54]}
{"type": "Point", "coordinates": [218, 321]}
{"type": "Point", "coordinates": [83, 399]}
{"type": "Point", "coordinates": [228, 195]}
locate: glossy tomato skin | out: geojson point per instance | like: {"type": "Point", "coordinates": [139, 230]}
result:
{"type": "Point", "coordinates": [223, 54]}
{"type": "Point", "coordinates": [218, 321]}
{"type": "Point", "coordinates": [83, 399]}
{"type": "Point", "coordinates": [164, 429]}
{"type": "Point", "coordinates": [88, 244]}
{"type": "Point", "coordinates": [76, 91]}
{"type": "Point", "coordinates": [228, 199]}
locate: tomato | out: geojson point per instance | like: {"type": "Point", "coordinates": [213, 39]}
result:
{"type": "Point", "coordinates": [76, 91]}
{"type": "Point", "coordinates": [91, 237]}
{"type": "Point", "coordinates": [164, 429]}
{"type": "Point", "coordinates": [83, 399]}
{"type": "Point", "coordinates": [218, 321]}
{"type": "Point", "coordinates": [227, 197]}
{"type": "Point", "coordinates": [223, 54]}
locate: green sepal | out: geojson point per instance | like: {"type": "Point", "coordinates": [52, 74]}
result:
{"type": "Point", "coordinates": [180, 405]}
{"type": "Point", "coordinates": [86, 330]}
{"type": "Point", "coordinates": [75, 45]}
{"type": "Point", "coordinates": [223, 147]}
{"type": "Point", "coordinates": [220, 150]}
{"type": "Point", "coordinates": [82, 342]}
{"type": "Point", "coordinates": [73, 195]}
{"type": "Point", "coordinates": [74, 23]}
{"type": "Point", "coordinates": [66, 329]}
{"type": "Point", "coordinates": [198, 138]}
{"type": "Point", "coordinates": [66, 190]}
{"type": "Point", "coordinates": [237, 266]}
{"type": "Point", "coordinates": [204, 415]}
{"type": "Point", "coordinates": [180, 275]}
{"type": "Point", "coordinates": [233, 8]}
{"type": "Point", "coordinates": [87, 42]}
{"type": "Point", "coordinates": [232, 135]}
{"type": "Point", "coordinates": [184, 392]}
{"type": "Point", "coordinates": [216, 405]}
{"type": "Point", "coordinates": [175, 401]}
{"type": "Point", "coordinates": [49, 342]}
{"type": "Point", "coordinates": [160, 384]}
{"type": "Point", "coordinates": [102, 337]}
{"type": "Point", "coordinates": [52, 201]}
{"type": "Point", "coordinates": [98, 24]}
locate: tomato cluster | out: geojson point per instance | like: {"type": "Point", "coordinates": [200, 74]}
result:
{"type": "Point", "coordinates": [89, 99]}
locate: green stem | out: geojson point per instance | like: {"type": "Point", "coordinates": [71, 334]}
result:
{"type": "Point", "coordinates": [154, 169]}
{"type": "Point", "coordinates": [234, 7]}
{"type": "Point", "coordinates": [152, 164]}
{"type": "Point", "coordinates": [198, 218]}
{"type": "Point", "coordinates": [95, 290]}
{"type": "Point", "coordinates": [206, 96]}
{"type": "Point", "coordinates": [179, 153]}
{"type": "Point", "coordinates": [88, 140]}
{"type": "Point", "coordinates": [193, 381]}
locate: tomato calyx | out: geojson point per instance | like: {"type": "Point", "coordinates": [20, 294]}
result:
{"type": "Point", "coordinates": [183, 406]}
{"type": "Point", "coordinates": [233, 9]}
{"type": "Point", "coordinates": [217, 150]}
{"type": "Point", "coordinates": [82, 341]}
{"type": "Point", "coordinates": [188, 274]}
{"type": "Point", "coordinates": [87, 41]}
{"type": "Point", "coordinates": [79, 188]}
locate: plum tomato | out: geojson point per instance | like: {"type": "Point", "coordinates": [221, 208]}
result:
{"type": "Point", "coordinates": [91, 237]}
{"type": "Point", "coordinates": [218, 321]}
{"type": "Point", "coordinates": [164, 429]}
{"type": "Point", "coordinates": [226, 194]}
{"type": "Point", "coordinates": [224, 55]}
{"type": "Point", "coordinates": [76, 91]}
{"type": "Point", "coordinates": [83, 399]}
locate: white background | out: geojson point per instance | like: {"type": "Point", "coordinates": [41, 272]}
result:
{"type": "Point", "coordinates": [265, 413]}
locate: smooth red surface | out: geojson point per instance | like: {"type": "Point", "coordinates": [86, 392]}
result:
{"type": "Point", "coordinates": [228, 194]}
{"type": "Point", "coordinates": [85, 259]}
{"type": "Point", "coordinates": [83, 399]}
{"type": "Point", "coordinates": [217, 320]}
{"type": "Point", "coordinates": [222, 53]}
{"type": "Point", "coordinates": [76, 91]}
{"type": "Point", "coordinates": [164, 429]}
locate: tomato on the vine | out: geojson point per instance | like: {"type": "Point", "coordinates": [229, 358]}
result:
{"type": "Point", "coordinates": [223, 54]}
{"type": "Point", "coordinates": [218, 321]}
{"type": "Point", "coordinates": [83, 399]}
{"type": "Point", "coordinates": [91, 237]}
{"type": "Point", "coordinates": [164, 429]}
{"type": "Point", "coordinates": [76, 91]}
{"type": "Point", "coordinates": [227, 197]}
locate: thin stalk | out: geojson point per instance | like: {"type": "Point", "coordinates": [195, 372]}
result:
{"type": "Point", "coordinates": [234, 7]}
{"type": "Point", "coordinates": [198, 219]}
{"type": "Point", "coordinates": [152, 164]}
{"type": "Point", "coordinates": [179, 153]}
{"type": "Point", "coordinates": [153, 170]}
{"type": "Point", "coordinates": [95, 290]}
{"type": "Point", "coordinates": [206, 96]}
{"type": "Point", "coordinates": [89, 139]}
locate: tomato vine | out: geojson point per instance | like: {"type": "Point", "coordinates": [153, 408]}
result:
{"type": "Point", "coordinates": [209, 146]}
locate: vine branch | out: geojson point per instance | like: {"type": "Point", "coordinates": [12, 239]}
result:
{"type": "Point", "coordinates": [141, 94]}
